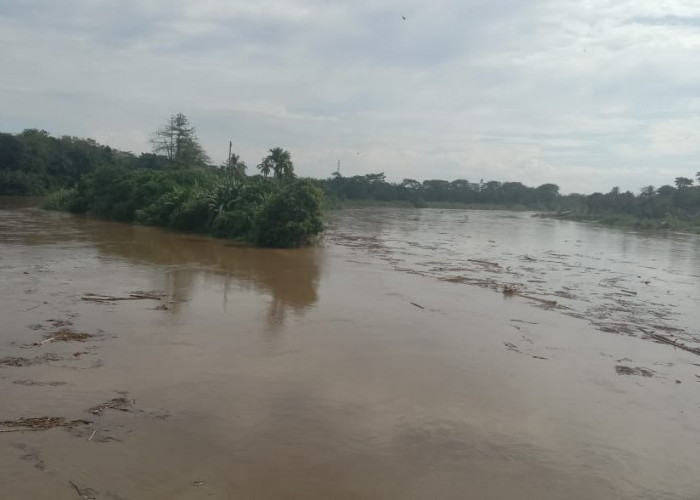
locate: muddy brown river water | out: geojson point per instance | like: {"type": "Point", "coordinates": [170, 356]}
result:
{"type": "Point", "coordinates": [386, 363]}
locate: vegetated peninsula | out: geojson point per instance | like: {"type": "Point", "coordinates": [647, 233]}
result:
{"type": "Point", "coordinates": [177, 187]}
{"type": "Point", "coordinates": [174, 187]}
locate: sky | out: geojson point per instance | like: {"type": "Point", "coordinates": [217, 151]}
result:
{"type": "Point", "coordinates": [587, 94]}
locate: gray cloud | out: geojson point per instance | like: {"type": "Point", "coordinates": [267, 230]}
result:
{"type": "Point", "coordinates": [587, 96]}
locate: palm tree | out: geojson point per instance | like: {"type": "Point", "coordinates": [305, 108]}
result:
{"type": "Point", "coordinates": [235, 166]}
{"type": "Point", "coordinates": [266, 166]}
{"type": "Point", "coordinates": [279, 162]}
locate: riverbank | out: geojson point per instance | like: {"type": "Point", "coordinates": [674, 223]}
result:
{"type": "Point", "coordinates": [686, 224]}
{"type": "Point", "coordinates": [335, 204]}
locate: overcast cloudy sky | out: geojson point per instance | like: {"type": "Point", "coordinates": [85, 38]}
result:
{"type": "Point", "coordinates": [583, 93]}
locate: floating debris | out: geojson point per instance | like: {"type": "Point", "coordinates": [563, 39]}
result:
{"type": "Point", "coordinates": [666, 340]}
{"type": "Point", "coordinates": [484, 262]}
{"type": "Point", "coordinates": [96, 297]}
{"type": "Point", "coordinates": [510, 290]}
{"type": "Point", "coordinates": [84, 493]}
{"type": "Point", "coordinates": [627, 370]}
{"type": "Point", "coordinates": [548, 304]}
{"type": "Point", "coordinates": [34, 383]}
{"type": "Point", "coordinates": [59, 323]}
{"type": "Point", "coordinates": [20, 361]}
{"type": "Point", "coordinates": [511, 347]}
{"type": "Point", "coordinates": [40, 424]}
{"type": "Point", "coordinates": [65, 335]}
{"type": "Point", "coordinates": [120, 404]}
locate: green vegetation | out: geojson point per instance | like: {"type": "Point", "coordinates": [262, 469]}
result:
{"type": "Point", "coordinates": [34, 163]}
{"type": "Point", "coordinates": [258, 210]}
{"type": "Point", "coordinates": [176, 189]}
{"type": "Point", "coordinates": [374, 190]}
{"type": "Point", "coordinates": [668, 207]}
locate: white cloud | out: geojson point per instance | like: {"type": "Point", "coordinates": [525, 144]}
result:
{"type": "Point", "coordinates": [583, 94]}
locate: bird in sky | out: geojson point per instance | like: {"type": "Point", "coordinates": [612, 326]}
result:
{"type": "Point", "coordinates": [403, 17]}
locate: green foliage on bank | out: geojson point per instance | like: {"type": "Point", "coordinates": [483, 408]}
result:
{"type": "Point", "coordinates": [674, 207]}
{"type": "Point", "coordinates": [375, 190]}
{"type": "Point", "coordinates": [257, 210]}
{"type": "Point", "coordinates": [174, 187]}
{"type": "Point", "coordinates": [668, 207]}
{"type": "Point", "coordinates": [35, 163]}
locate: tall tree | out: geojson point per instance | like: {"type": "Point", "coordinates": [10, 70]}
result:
{"type": "Point", "coordinates": [648, 191]}
{"type": "Point", "coordinates": [683, 182]}
{"type": "Point", "coordinates": [178, 142]}
{"type": "Point", "coordinates": [235, 166]}
{"type": "Point", "coordinates": [279, 162]}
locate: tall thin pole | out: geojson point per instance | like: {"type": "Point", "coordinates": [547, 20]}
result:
{"type": "Point", "coordinates": [230, 145]}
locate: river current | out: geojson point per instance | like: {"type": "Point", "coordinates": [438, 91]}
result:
{"type": "Point", "coordinates": [412, 354]}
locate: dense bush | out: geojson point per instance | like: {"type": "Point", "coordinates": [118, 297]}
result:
{"type": "Point", "coordinates": [268, 212]}
{"type": "Point", "coordinates": [61, 199]}
{"type": "Point", "coordinates": [290, 216]}
{"type": "Point", "coordinates": [176, 191]}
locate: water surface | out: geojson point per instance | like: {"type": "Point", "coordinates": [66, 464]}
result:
{"type": "Point", "coordinates": [385, 363]}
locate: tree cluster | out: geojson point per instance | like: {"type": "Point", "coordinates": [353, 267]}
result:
{"type": "Point", "coordinates": [212, 202]}
{"type": "Point", "coordinates": [33, 162]}
{"type": "Point", "coordinates": [678, 204]}
{"type": "Point", "coordinates": [173, 187]}
{"type": "Point", "coordinates": [177, 141]}
{"type": "Point", "coordinates": [375, 187]}
{"type": "Point", "coordinates": [176, 186]}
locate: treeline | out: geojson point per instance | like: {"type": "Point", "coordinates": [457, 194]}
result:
{"type": "Point", "coordinates": [176, 186]}
{"type": "Point", "coordinates": [669, 206]}
{"type": "Point", "coordinates": [173, 187]}
{"type": "Point", "coordinates": [675, 206]}
{"type": "Point", "coordinates": [376, 188]}
{"type": "Point", "coordinates": [34, 163]}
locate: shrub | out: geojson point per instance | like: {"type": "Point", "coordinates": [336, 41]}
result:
{"type": "Point", "coordinates": [235, 224]}
{"type": "Point", "coordinates": [160, 212]}
{"type": "Point", "coordinates": [193, 215]}
{"type": "Point", "coordinates": [62, 199]}
{"type": "Point", "coordinates": [290, 216]}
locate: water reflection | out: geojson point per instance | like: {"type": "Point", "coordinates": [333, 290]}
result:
{"type": "Point", "coordinates": [289, 277]}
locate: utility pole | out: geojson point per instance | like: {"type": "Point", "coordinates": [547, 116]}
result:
{"type": "Point", "coordinates": [230, 145]}
{"type": "Point", "coordinates": [338, 169]}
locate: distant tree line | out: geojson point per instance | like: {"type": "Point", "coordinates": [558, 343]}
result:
{"type": "Point", "coordinates": [35, 163]}
{"type": "Point", "coordinates": [682, 197]}
{"type": "Point", "coordinates": [669, 206]}
{"type": "Point", "coordinates": [675, 205]}
{"type": "Point", "coordinates": [375, 187]}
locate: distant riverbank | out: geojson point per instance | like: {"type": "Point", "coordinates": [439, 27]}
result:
{"type": "Point", "coordinates": [689, 224]}
{"type": "Point", "coordinates": [335, 204]}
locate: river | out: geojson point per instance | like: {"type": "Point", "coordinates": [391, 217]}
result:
{"type": "Point", "coordinates": [387, 362]}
